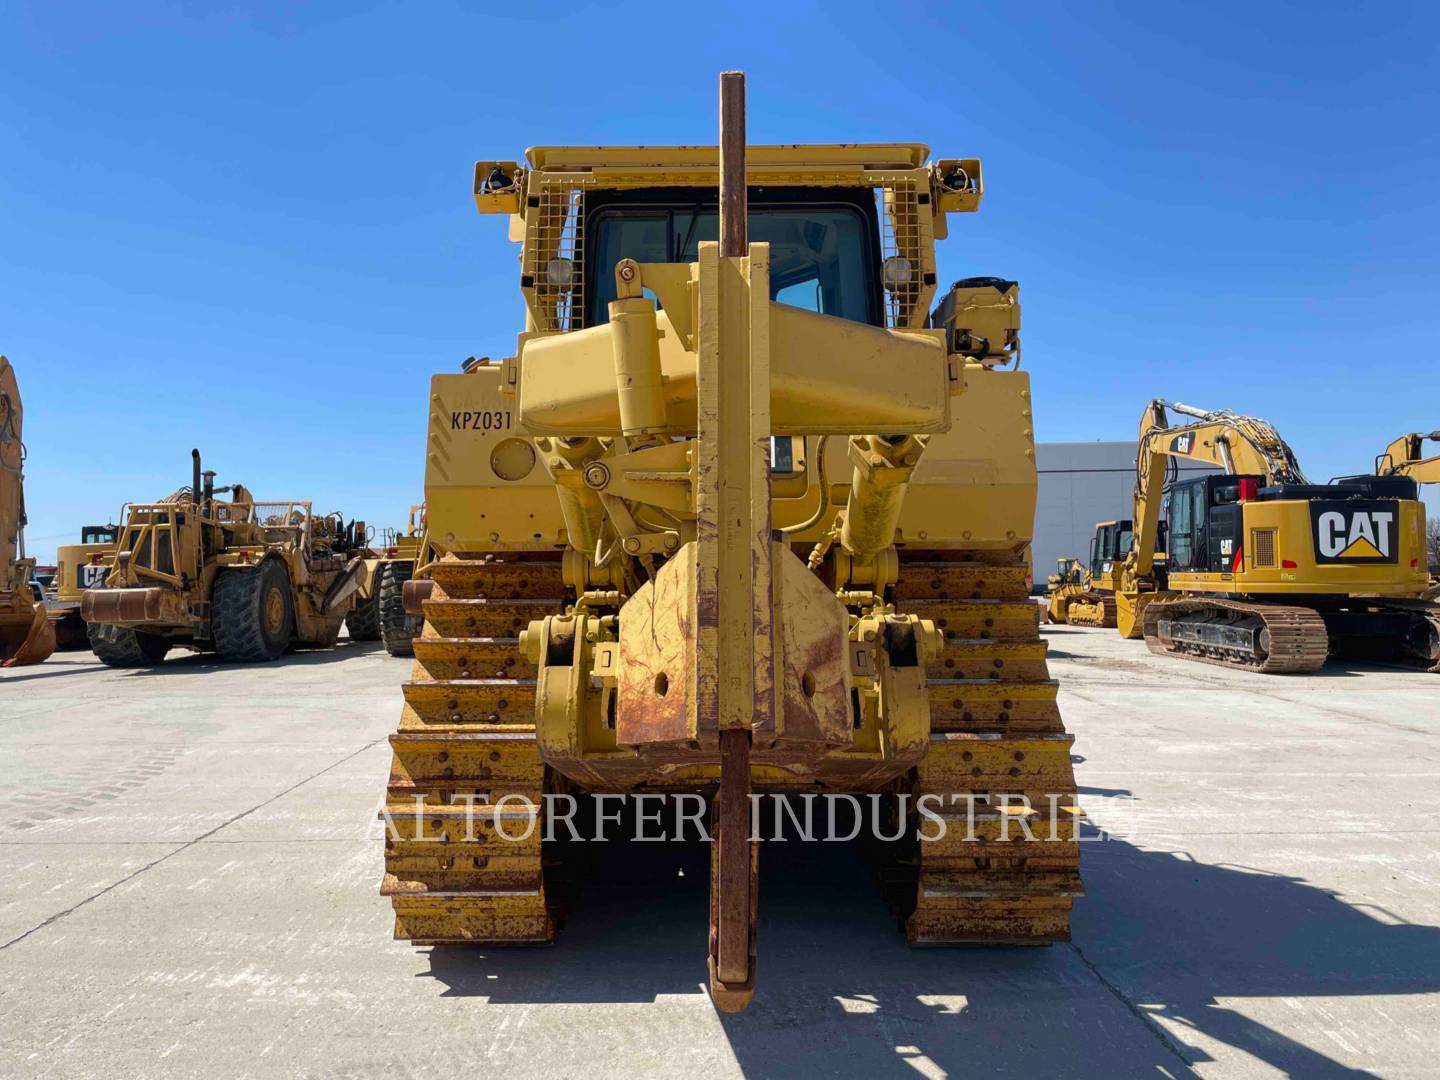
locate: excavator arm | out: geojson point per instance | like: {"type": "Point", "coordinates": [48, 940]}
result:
{"type": "Point", "coordinates": [1404, 457]}
{"type": "Point", "coordinates": [1244, 445]}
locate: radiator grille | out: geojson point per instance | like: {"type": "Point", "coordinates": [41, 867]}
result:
{"type": "Point", "coordinates": [1262, 548]}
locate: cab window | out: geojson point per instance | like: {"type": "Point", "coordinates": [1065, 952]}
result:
{"type": "Point", "coordinates": [823, 246]}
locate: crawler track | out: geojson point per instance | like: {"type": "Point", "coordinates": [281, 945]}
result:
{"type": "Point", "coordinates": [1285, 639]}
{"type": "Point", "coordinates": [1092, 609]}
{"type": "Point", "coordinates": [995, 731]}
{"type": "Point", "coordinates": [468, 730]}
{"type": "Point", "coordinates": [1413, 640]}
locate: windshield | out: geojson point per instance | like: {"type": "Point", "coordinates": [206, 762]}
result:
{"type": "Point", "coordinates": [822, 255]}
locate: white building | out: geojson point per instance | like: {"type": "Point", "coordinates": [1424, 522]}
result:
{"type": "Point", "coordinates": [1080, 484]}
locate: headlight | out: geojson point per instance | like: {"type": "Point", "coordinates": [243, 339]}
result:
{"type": "Point", "coordinates": [897, 272]}
{"type": "Point", "coordinates": [560, 273]}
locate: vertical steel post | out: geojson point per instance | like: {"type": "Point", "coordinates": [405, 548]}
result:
{"type": "Point", "coordinates": [734, 202]}
{"type": "Point", "coordinates": [733, 529]}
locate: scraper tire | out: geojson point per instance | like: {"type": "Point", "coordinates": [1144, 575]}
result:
{"type": "Point", "coordinates": [253, 613]}
{"type": "Point", "coordinates": [121, 647]}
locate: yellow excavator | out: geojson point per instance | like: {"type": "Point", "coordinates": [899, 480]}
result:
{"type": "Point", "coordinates": [26, 633]}
{"type": "Point", "coordinates": [1267, 571]}
{"type": "Point", "coordinates": [1405, 456]}
{"type": "Point", "coordinates": [748, 511]}
{"type": "Point", "coordinates": [1084, 594]}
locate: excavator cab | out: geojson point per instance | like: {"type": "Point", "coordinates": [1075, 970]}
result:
{"type": "Point", "coordinates": [1204, 523]}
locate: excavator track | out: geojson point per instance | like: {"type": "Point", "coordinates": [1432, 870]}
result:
{"type": "Point", "coordinates": [995, 731]}
{"type": "Point", "coordinates": [1414, 640]}
{"type": "Point", "coordinates": [467, 739]}
{"type": "Point", "coordinates": [1092, 609]}
{"type": "Point", "coordinates": [1420, 651]}
{"type": "Point", "coordinates": [1268, 638]}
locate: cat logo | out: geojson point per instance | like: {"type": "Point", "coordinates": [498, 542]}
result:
{"type": "Point", "coordinates": [1353, 532]}
{"type": "Point", "coordinates": [1183, 443]}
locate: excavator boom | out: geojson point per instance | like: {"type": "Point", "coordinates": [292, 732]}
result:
{"type": "Point", "coordinates": [1235, 443]}
{"type": "Point", "coordinates": [26, 636]}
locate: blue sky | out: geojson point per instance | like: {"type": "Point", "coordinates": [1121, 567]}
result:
{"type": "Point", "coordinates": [249, 228]}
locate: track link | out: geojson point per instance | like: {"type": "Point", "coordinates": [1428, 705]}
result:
{"type": "Point", "coordinates": [467, 739]}
{"type": "Point", "coordinates": [1092, 609]}
{"type": "Point", "coordinates": [995, 731]}
{"type": "Point", "coordinates": [1289, 639]}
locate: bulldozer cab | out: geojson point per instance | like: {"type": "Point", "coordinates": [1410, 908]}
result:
{"type": "Point", "coordinates": [1110, 544]}
{"type": "Point", "coordinates": [1068, 571]}
{"type": "Point", "coordinates": [824, 244]}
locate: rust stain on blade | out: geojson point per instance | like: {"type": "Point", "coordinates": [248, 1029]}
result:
{"type": "Point", "coordinates": [122, 605]}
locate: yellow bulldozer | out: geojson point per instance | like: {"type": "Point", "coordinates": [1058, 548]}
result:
{"type": "Point", "coordinates": [1267, 571]}
{"type": "Point", "coordinates": [26, 633]}
{"type": "Point", "coordinates": [1083, 594]}
{"type": "Point", "coordinates": [747, 511]}
{"type": "Point", "coordinates": [247, 579]}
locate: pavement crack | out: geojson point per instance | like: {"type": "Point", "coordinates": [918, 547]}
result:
{"type": "Point", "coordinates": [1161, 1035]}
{"type": "Point", "coordinates": [187, 845]}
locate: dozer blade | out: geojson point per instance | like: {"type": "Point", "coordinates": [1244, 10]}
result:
{"type": "Point", "coordinates": [25, 638]}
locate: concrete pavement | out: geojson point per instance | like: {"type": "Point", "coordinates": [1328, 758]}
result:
{"type": "Point", "coordinates": [189, 861]}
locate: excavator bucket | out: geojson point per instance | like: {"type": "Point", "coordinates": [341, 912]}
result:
{"type": "Point", "coordinates": [26, 635]}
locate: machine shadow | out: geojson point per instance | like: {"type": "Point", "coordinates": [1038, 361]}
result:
{"type": "Point", "coordinates": [48, 670]}
{"type": "Point", "coordinates": [840, 993]}
{"type": "Point", "coordinates": [200, 663]}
